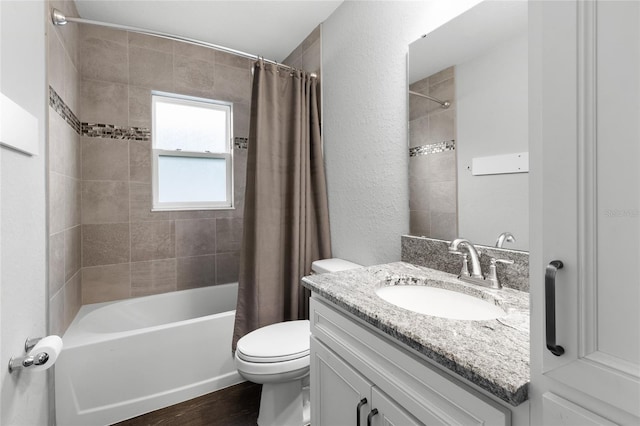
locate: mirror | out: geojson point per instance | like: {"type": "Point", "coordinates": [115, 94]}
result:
{"type": "Point", "coordinates": [468, 164]}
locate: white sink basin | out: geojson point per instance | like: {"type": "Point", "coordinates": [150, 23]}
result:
{"type": "Point", "coordinates": [439, 302]}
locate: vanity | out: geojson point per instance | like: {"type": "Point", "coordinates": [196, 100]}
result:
{"type": "Point", "coordinates": [373, 362]}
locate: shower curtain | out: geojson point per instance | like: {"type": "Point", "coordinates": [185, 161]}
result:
{"type": "Point", "coordinates": [286, 218]}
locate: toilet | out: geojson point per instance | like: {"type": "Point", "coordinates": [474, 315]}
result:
{"type": "Point", "coordinates": [277, 356]}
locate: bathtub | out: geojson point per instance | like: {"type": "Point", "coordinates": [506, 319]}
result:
{"type": "Point", "coordinates": [126, 358]}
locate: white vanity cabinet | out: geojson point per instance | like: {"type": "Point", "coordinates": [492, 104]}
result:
{"type": "Point", "coordinates": [351, 362]}
{"type": "Point", "coordinates": [346, 397]}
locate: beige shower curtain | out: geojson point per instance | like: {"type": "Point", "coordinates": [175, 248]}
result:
{"type": "Point", "coordinates": [286, 218]}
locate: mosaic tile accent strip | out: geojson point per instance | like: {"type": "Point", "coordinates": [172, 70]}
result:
{"type": "Point", "coordinates": [59, 106]}
{"type": "Point", "coordinates": [433, 148]}
{"type": "Point", "coordinates": [110, 131]}
{"type": "Point", "coordinates": [240, 143]}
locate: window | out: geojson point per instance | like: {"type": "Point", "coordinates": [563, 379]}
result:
{"type": "Point", "coordinates": [192, 153]}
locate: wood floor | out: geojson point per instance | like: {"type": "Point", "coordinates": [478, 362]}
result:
{"type": "Point", "coordinates": [234, 406]}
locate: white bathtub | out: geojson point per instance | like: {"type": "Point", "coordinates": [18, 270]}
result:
{"type": "Point", "coordinates": [126, 358]}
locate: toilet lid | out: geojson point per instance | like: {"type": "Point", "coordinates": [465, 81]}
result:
{"type": "Point", "coordinates": [282, 341]}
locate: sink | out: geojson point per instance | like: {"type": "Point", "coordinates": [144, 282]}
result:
{"type": "Point", "coordinates": [440, 302]}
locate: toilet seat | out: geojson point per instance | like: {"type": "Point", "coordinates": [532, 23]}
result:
{"type": "Point", "coordinates": [280, 342]}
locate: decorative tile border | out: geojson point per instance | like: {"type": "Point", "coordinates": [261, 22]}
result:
{"type": "Point", "coordinates": [433, 148]}
{"type": "Point", "coordinates": [110, 131]}
{"type": "Point", "coordinates": [240, 143]}
{"type": "Point", "coordinates": [59, 106]}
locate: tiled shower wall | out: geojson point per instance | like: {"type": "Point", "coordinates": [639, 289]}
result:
{"type": "Point", "coordinates": [432, 162]}
{"type": "Point", "coordinates": [63, 153]}
{"type": "Point", "coordinates": [128, 250]}
{"type": "Point", "coordinates": [105, 242]}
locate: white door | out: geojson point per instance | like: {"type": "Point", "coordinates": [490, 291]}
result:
{"type": "Point", "coordinates": [585, 210]}
{"type": "Point", "coordinates": [23, 299]}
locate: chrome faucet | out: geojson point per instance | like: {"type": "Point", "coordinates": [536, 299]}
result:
{"type": "Point", "coordinates": [476, 276]}
{"type": "Point", "coordinates": [461, 243]}
{"type": "Point", "coordinates": [505, 236]}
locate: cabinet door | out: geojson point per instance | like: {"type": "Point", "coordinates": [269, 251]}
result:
{"type": "Point", "coordinates": [336, 390]}
{"type": "Point", "coordinates": [585, 192]}
{"type": "Point", "coordinates": [389, 413]}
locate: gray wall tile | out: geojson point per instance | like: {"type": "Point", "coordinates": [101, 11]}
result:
{"type": "Point", "coordinates": [153, 277]}
{"type": "Point", "coordinates": [228, 234]}
{"type": "Point", "coordinates": [105, 244]}
{"type": "Point", "coordinates": [104, 102]}
{"type": "Point", "coordinates": [72, 252]}
{"type": "Point", "coordinates": [194, 52]}
{"type": "Point", "coordinates": [72, 189]}
{"type": "Point", "coordinates": [105, 202]}
{"type": "Point", "coordinates": [72, 298]}
{"type": "Point", "coordinates": [153, 240]}
{"type": "Point", "coordinates": [193, 77]}
{"type": "Point", "coordinates": [104, 60]}
{"type": "Point", "coordinates": [196, 271]}
{"type": "Point", "coordinates": [227, 267]}
{"type": "Point", "coordinates": [140, 204]}
{"type": "Point", "coordinates": [139, 106]}
{"type": "Point", "coordinates": [140, 161]}
{"type": "Point", "coordinates": [106, 283]}
{"type": "Point", "coordinates": [89, 31]}
{"type": "Point", "coordinates": [55, 62]}
{"type": "Point", "coordinates": [56, 262]}
{"type": "Point", "coordinates": [56, 202]}
{"type": "Point", "coordinates": [150, 42]}
{"type": "Point", "coordinates": [117, 173]}
{"type": "Point", "coordinates": [442, 197]}
{"type": "Point", "coordinates": [232, 84]}
{"type": "Point", "coordinates": [105, 159]}
{"type": "Point", "coordinates": [150, 68]}
{"type": "Point", "coordinates": [195, 237]}
{"type": "Point", "coordinates": [420, 221]}
{"type": "Point", "coordinates": [444, 225]}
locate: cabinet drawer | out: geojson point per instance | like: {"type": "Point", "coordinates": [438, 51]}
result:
{"type": "Point", "coordinates": [422, 390]}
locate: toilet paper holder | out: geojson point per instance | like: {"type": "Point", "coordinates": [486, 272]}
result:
{"type": "Point", "coordinates": [27, 360]}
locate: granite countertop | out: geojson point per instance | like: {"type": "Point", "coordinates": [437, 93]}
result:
{"type": "Point", "coordinates": [493, 354]}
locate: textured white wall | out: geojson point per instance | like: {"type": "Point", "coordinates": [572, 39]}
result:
{"type": "Point", "coordinates": [22, 212]}
{"type": "Point", "coordinates": [364, 74]}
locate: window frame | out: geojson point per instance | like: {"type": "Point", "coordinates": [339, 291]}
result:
{"type": "Point", "coordinates": [156, 153]}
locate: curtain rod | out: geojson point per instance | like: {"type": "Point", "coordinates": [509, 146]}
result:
{"type": "Point", "coordinates": [58, 18]}
{"type": "Point", "coordinates": [443, 104]}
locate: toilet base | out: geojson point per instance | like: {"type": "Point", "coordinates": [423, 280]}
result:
{"type": "Point", "coordinates": [284, 404]}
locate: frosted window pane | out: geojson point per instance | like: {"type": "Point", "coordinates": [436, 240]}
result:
{"type": "Point", "coordinates": [190, 128]}
{"type": "Point", "coordinates": [188, 179]}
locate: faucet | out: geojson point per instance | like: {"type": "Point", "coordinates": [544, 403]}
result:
{"type": "Point", "coordinates": [476, 276]}
{"type": "Point", "coordinates": [461, 243]}
{"type": "Point", "coordinates": [505, 236]}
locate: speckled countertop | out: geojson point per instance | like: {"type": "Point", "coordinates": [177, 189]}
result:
{"type": "Point", "coordinates": [493, 354]}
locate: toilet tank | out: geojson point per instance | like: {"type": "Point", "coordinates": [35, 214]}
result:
{"type": "Point", "coordinates": [332, 265]}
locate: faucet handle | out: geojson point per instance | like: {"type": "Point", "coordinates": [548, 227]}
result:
{"type": "Point", "coordinates": [492, 276]}
{"type": "Point", "coordinates": [464, 271]}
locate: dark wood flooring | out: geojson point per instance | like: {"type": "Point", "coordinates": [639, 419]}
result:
{"type": "Point", "coordinates": [234, 406]}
